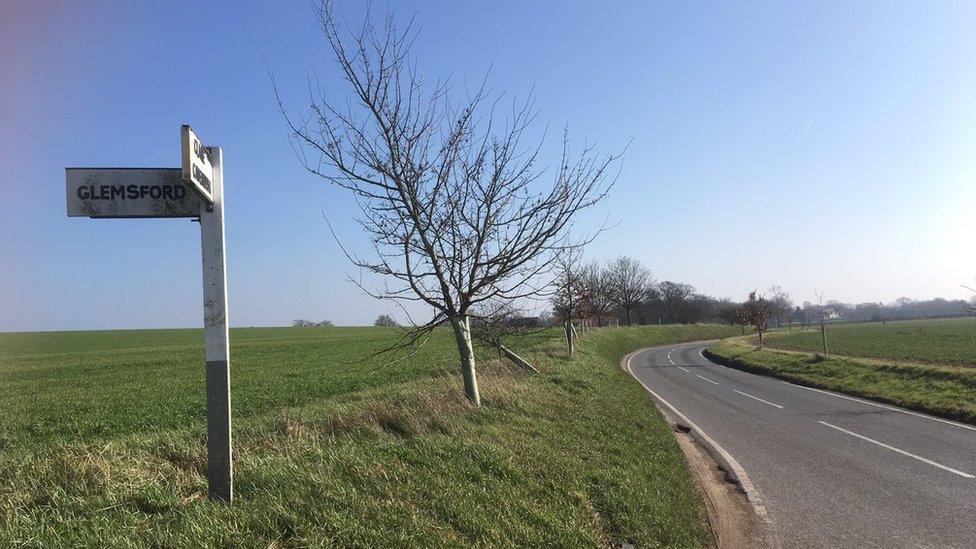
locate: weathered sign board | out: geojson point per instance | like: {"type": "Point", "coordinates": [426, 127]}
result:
{"type": "Point", "coordinates": [130, 192]}
{"type": "Point", "coordinates": [198, 169]}
{"type": "Point", "coordinates": [197, 191]}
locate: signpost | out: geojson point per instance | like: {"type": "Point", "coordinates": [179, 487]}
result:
{"type": "Point", "coordinates": [220, 465]}
{"type": "Point", "coordinates": [195, 190]}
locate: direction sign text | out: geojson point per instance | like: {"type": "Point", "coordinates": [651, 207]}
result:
{"type": "Point", "coordinates": [197, 164]}
{"type": "Point", "coordinates": [129, 192]}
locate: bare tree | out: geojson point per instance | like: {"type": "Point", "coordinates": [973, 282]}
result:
{"type": "Point", "coordinates": [756, 312]}
{"type": "Point", "coordinates": [598, 293]}
{"type": "Point", "coordinates": [385, 320]}
{"type": "Point", "coordinates": [728, 311]}
{"type": "Point", "coordinates": [674, 296]}
{"type": "Point", "coordinates": [970, 305]}
{"type": "Point", "coordinates": [569, 302]}
{"type": "Point", "coordinates": [629, 280]}
{"type": "Point", "coordinates": [452, 198]}
{"type": "Point", "coordinates": [823, 320]}
{"type": "Point", "coordinates": [779, 300]}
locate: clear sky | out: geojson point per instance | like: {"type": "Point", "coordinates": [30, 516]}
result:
{"type": "Point", "coordinates": [805, 144]}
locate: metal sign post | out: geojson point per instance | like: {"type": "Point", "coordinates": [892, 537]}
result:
{"type": "Point", "coordinates": [197, 191]}
{"type": "Point", "coordinates": [220, 465]}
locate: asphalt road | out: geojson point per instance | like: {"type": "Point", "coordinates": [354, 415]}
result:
{"type": "Point", "coordinates": [833, 471]}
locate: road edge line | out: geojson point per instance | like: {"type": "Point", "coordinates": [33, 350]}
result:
{"type": "Point", "coordinates": [734, 472]}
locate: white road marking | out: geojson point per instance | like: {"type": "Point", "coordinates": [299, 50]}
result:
{"type": "Point", "coordinates": [740, 474]}
{"type": "Point", "coordinates": [673, 363]}
{"type": "Point", "coordinates": [892, 408]}
{"type": "Point", "coordinates": [706, 379]}
{"type": "Point", "coordinates": [897, 450]}
{"type": "Point", "coordinates": [757, 398]}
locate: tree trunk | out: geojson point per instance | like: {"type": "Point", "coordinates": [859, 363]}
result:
{"type": "Point", "coordinates": [462, 336]}
{"type": "Point", "coordinates": [568, 325]}
{"type": "Point", "coordinates": [760, 339]}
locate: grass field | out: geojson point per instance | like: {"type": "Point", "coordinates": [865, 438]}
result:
{"type": "Point", "coordinates": [102, 444]}
{"type": "Point", "coordinates": [940, 341]}
{"type": "Point", "coordinates": [923, 365]}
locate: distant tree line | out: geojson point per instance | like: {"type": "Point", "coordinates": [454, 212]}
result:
{"type": "Point", "coordinates": [624, 292]}
{"type": "Point", "coordinates": [902, 308]}
{"type": "Point", "coordinates": [302, 323]}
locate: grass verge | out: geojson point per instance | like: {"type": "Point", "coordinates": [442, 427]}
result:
{"type": "Point", "coordinates": [574, 456]}
{"type": "Point", "coordinates": [944, 391]}
{"type": "Point", "coordinates": [945, 341]}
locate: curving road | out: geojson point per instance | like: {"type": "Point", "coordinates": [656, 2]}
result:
{"type": "Point", "coordinates": [832, 470]}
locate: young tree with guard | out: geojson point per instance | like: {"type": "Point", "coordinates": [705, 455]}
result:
{"type": "Point", "coordinates": [823, 320]}
{"type": "Point", "coordinates": [780, 301]}
{"type": "Point", "coordinates": [450, 195]}
{"type": "Point", "coordinates": [569, 302]}
{"type": "Point", "coordinates": [756, 312]}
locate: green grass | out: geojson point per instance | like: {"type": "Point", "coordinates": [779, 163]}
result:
{"type": "Point", "coordinates": [942, 341]}
{"type": "Point", "coordinates": [947, 391]}
{"type": "Point", "coordinates": [102, 443]}
{"type": "Point", "coordinates": [66, 386]}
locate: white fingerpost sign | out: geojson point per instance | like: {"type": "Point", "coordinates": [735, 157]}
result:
{"type": "Point", "coordinates": [195, 190]}
{"type": "Point", "coordinates": [130, 192]}
{"type": "Point", "coordinates": [198, 164]}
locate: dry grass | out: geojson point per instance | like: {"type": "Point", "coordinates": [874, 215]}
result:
{"type": "Point", "coordinates": [574, 456]}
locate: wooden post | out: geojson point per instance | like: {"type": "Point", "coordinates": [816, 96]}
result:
{"type": "Point", "coordinates": [220, 467]}
{"type": "Point", "coordinates": [509, 354]}
{"type": "Point", "coordinates": [823, 336]}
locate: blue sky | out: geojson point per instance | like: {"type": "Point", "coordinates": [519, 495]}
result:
{"type": "Point", "coordinates": [805, 144]}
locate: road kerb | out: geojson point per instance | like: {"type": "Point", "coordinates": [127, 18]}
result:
{"type": "Point", "coordinates": [733, 471]}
